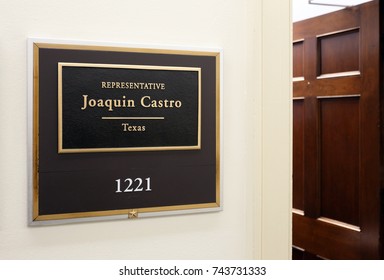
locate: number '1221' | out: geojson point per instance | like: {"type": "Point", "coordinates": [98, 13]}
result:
{"type": "Point", "coordinates": [133, 185]}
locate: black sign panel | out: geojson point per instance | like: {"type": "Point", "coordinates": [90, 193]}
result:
{"type": "Point", "coordinates": [109, 107]}
{"type": "Point", "coordinates": [121, 132]}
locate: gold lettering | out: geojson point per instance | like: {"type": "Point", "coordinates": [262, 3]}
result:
{"type": "Point", "coordinates": [133, 85]}
{"type": "Point", "coordinates": [108, 103]}
{"type": "Point", "coordinates": [111, 104]}
{"type": "Point", "coordinates": [132, 128]}
{"type": "Point", "coordinates": [85, 97]}
{"type": "Point", "coordinates": [143, 103]}
{"type": "Point", "coordinates": [147, 102]}
{"type": "Point", "coordinates": [125, 126]}
{"type": "Point", "coordinates": [100, 103]}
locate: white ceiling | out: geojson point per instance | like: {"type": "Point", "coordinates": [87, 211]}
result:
{"type": "Point", "coordinates": [301, 9]}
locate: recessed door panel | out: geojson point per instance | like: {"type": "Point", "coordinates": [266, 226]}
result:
{"type": "Point", "coordinates": [339, 52]}
{"type": "Point", "coordinates": [339, 151]}
{"type": "Point", "coordinates": [298, 151]}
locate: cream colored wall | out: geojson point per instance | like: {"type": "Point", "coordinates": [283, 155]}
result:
{"type": "Point", "coordinates": [254, 36]}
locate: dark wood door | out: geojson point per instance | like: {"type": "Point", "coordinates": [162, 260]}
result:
{"type": "Point", "coordinates": [336, 134]}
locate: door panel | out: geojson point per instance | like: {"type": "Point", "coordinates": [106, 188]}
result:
{"type": "Point", "coordinates": [298, 160]}
{"type": "Point", "coordinates": [339, 52]}
{"type": "Point", "coordinates": [336, 134]}
{"type": "Point", "coordinates": [339, 157]}
{"type": "Point", "coordinates": [298, 57]}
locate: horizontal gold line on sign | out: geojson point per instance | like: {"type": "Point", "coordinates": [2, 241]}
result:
{"type": "Point", "coordinates": [132, 118]}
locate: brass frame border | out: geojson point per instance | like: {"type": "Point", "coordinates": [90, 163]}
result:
{"type": "Point", "coordinates": [35, 218]}
{"type": "Point", "coordinates": [35, 127]}
{"type": "Point", "coordinates": [124, 212]}
{"type": "Point", "coordinates": [124, 66]}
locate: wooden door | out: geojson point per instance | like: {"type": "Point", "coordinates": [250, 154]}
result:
{"type": "Point", "coordinates": [336, 134]}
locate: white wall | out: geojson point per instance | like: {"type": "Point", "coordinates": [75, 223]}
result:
{"type": "Point", "coordinates": [255, 38]}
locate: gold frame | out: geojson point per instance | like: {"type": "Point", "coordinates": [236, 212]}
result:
{"type": "Point", "coordinates": [124, 149]}
{"type": "Point", "coordinates": [129, 213]}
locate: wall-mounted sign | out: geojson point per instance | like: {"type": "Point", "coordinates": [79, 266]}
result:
{"type": "Point", "coordinates": [122, 132]}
